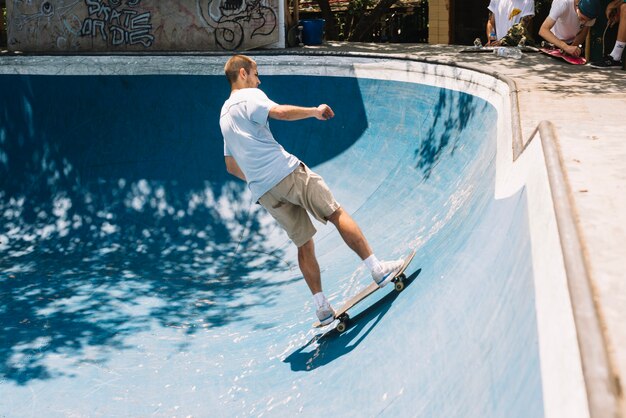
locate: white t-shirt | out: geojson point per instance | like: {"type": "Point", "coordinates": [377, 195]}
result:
{"type": "Point", "coordinates": [247, 138]}
{"type": "Point", "coordinates": [567, 24]}
{"type": "Point", "coordinates": [510, 12]}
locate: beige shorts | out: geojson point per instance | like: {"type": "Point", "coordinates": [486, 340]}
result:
{"type": "Point", "coordinates": [289, 201]}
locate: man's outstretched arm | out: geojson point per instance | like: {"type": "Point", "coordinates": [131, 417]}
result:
{"type": "Point", "coordinates": [289, 112]}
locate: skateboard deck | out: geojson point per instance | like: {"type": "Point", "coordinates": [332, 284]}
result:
{"type": "Point", "coordinates": [557, 53]}
{"type": "Point", "coordinates": [342, 314]}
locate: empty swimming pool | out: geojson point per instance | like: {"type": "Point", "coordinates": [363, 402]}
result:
{"type": "Point", "coordinates": [138, 278]}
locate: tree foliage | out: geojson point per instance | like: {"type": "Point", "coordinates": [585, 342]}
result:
{"type": "Point", "coordinates": [356, 21]}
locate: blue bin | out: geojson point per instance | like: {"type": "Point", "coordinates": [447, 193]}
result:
{"type": "Point", "coordinates": [312, 31]}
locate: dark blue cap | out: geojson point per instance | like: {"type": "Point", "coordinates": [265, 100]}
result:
{"type": "Point", "coordinates": [589, 8]}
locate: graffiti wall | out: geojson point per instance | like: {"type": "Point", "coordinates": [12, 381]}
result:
{"type": "Point", "coordinates": [142, 25]}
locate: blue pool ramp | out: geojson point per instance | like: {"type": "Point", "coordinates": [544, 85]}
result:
{"type": "Point", "coordinates": [139, 279]}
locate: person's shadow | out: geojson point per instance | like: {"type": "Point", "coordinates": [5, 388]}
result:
{"type": "Point", "coordinates": [327, 347]}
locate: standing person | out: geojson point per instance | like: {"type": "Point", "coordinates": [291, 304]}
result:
{"type": "Point", "coordinates": [503, 14]}
{"type": "Point", "coordinates": [281, 183]}
{"type": "Point", "coordinates": [568, 23]}
{"type": "Point", "coordinates": [615, 12]}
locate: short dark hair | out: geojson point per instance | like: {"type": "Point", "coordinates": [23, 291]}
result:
{"type": "Point", "coordinates": [236, 63]}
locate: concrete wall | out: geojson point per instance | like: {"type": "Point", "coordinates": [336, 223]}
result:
{"type": "Point", "coordinates": [142, 25]}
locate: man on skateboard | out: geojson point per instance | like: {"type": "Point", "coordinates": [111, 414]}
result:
{"type": "Point", "coordinates": [281, 183]}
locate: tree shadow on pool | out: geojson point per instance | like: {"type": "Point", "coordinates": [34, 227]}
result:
{"type": "Point", "coordinates": [452, 114]}
{"type": "Point", "coordinates": [119, 217]}
{"type": "Point", "coordinates": [327, 347]}
{"type": "Point", "coordinates": [94, 274]}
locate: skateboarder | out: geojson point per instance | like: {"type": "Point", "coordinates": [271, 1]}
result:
{"type": "Point", "coordinates": [615, 12]}
{"type": "Point", "coordinates": [568, 23]}
{"type": "Point", "coordinates": [281, 183]}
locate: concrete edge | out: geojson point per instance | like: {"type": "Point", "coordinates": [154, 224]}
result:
{"type": "Point", "coordinates": [601, 382]}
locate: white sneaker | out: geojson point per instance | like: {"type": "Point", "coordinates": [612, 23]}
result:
{"type": "Point", "coordinates": [387, 272]}
{"type": "Point", "coordinates": [326, 314]}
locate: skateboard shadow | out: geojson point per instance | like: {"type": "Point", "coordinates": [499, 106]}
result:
{"type": "Point", "coordinates": [324, 348]}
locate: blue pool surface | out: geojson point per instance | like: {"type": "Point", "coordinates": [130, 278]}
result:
{"type": "Point", "coordinates": [137, 278]}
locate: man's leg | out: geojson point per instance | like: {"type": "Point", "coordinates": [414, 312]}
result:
{"type": "Point", "coordinates": [621, 30]}
{"type": "Point", "coordinates": [620, 42]}
{"type": "Point", "coordinates": [614, 58]}
{"type": "Point", "coordinates": [382, 272]}
{"type": "Point", "coordinates": [311, 271]}
{"type": "Point", "coordinates": [311, 192]}
{"type": "Point", "coordinates": [351, 233]}
{"type": "Point", "coordinates": [309, 267]}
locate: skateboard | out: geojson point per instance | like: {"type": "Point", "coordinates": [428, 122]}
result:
{"type": "Point", "coordinates": [559, 54]}
{"type": "Point", "coordinates": [342, 314]}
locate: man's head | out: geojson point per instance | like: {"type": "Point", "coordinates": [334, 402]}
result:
{"type": "Point", "coordinates": [587, 9]}
{"type": "Point", "coordinates": [241, 72]}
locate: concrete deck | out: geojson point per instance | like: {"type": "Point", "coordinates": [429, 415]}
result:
{"type": "Point", "coordinates": [588, 109]}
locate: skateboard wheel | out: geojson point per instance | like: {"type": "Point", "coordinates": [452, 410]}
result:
{"type": "Point", "coordinates": [342, 326]}
{"type": "Point", "coordinates": [343, 323]}
{"type": "Point", "coordinates": [399, 286]}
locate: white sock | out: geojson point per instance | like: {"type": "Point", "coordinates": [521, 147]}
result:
{"type": "Point", "coordinates": [618, 50]}
{"type": "Point", "coordinates": [319, 299]}
{"type": "Point", "coordinates": [372, 263]}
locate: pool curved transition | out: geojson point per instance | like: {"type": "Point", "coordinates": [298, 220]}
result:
{"type": "Point", "coordinates": [139, 279]}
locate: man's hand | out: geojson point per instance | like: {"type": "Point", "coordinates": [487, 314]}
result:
{"type": "Point", "coordinates": [324, 112]}
{"type": "Point", "coordinates": [612, 12]}
{"type": "Point", "coordinates": [572, 50]}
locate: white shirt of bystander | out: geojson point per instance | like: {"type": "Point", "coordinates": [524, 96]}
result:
{"type": "Point", "coordinates": [510, 12]}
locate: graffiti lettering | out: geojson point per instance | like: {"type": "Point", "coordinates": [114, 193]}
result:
{"type": "Point", "coordinates": [118, 26]}
{"type": "Point", "coordinates": [237, 21]}
{"type": "Point", "coordinates": [94, 27]}
{"type": "Point", "coordinates": [109, 25]}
